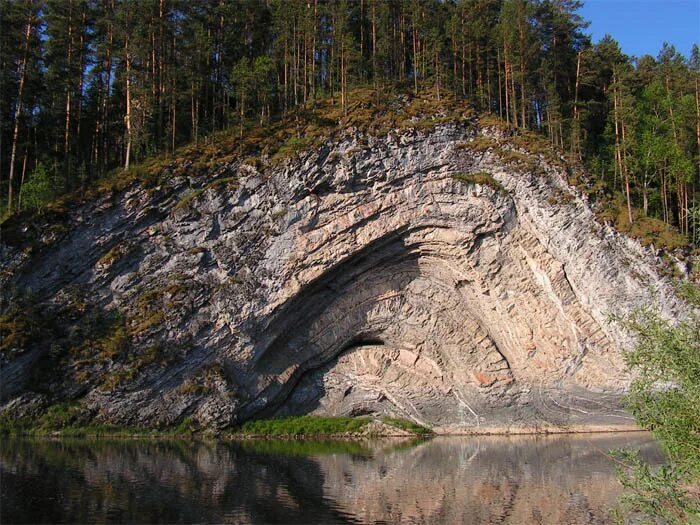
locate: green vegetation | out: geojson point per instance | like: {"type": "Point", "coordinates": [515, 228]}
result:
{"type": "Point", "coordinates": [293, 146]}
{"type": "Point", "coordinates": [132, 364]}
{"type": "Point", "coordinates": [482, 178]}
{"type": "Point", "coordinates": [318, 425]}
{"type": "Point", "coordinates": [37, 192]}
{"type": "Point", "coordinates": [20, 325]}
{"type": "Point", "coordinates": [70, 419]}
{"type": "Point", "coordinates": [648, 230]}
{"type": "Point", "coordinates": [86, 345]}
{"type": "Point", "coordinates": [71, 328]}
{"type": "Point", "coordinates": [204, 380]}
{"type": "Point", "coordinates": [149, 311]}
{"type": "Point", "coordinates": [92, 91]}
{"type": "Point", "coordinates": [154, 304]}
{"type": "Point", "coordinates": [116, 253]}
{"type": "Point", "coordinates": [193, 195]}
{"type": "Point", "coordinates": [665, 398]}
{"type": "Point", "coordinates": [408, 426]}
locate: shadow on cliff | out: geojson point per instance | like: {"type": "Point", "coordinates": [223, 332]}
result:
{"type": "Point", "coordinates": [326, 318]}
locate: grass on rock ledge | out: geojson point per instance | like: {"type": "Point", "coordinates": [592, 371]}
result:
{"type": "Point", "coordinates": [482, 178]}
{"type": "Point", "coordinates": [408, 426]}
{"type": "Point", "coordinates": [317, 425]}
{"type": "Point", "coordinates": [31, 429]}
{"type": "Point", "coordinates": [263, 146]}
{"type": "Point", "coordinates": [68, 420]}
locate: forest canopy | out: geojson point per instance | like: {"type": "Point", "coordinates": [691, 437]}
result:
{"type": "Point", "coordinates": [89, 86]}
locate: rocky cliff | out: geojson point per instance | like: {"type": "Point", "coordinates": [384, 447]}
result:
{"type": "Point", "coordinates": [441, 275]}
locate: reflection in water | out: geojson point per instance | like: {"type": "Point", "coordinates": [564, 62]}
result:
{"type": "Point", "coordinates": [561, 479]}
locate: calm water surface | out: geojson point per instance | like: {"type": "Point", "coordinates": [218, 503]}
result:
{"type": "Point", "coordinates": [520, 480]}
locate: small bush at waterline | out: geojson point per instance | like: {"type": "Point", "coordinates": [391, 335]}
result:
{"type": "Point", "coordinates": [665, 399]}
{"type": "Point", "coordinates": [408, 426]}
{"type": "Point", "coordinates": [317, 425]}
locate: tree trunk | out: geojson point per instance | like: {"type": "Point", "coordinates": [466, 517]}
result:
{"type": "Point", "coordinates": [81, 82]}
{"type": "Point", "coordinates": [105, 100]}
{"type": "Point", "coordinates": [313, 54]}
{"type": "Point", "coordinates": [173, 122]}
{"type": "Point", "coordinates": [619, 142]}
{"type": "Point", "coordinates": [575, 128]}
{"type": "Point", "coordinates": [331, 59]}
{"type": "Point", "coordinates": [402, 52]}
{"type": "Point", "coordinates": [523, 98]}
{"type": "Point", "coordinates": [362, 40]}
{"type": "Point", "coordinates": [696, 223]}
{"type": "Point", "coordinates": [500, 85]}
{"type": "Point", "coordinates": [505, 73]}
{"type": "Point", "coordinates": [66, 128]}
{"type": "Point", "coordinates": [414, 34]}
{"type": "Point", "coordinates": [645, 195]}
{"type": "Point", "coordinates": [464, 80]}
{"type": "Point", "coordinates": [294, 60]}
{"type": "Point", "coordinates": [162, 139]}
{"type": "Point", "coordinates": [127, 118]}
{"type": "Point", "coordinates": [286, 76]}
{"type": "Point", "coordinates": [18, 108]}
{"type": "Point", "coordinates": [697, 117]}
{"type": "Point", "coordinates": [453, 39]}
{"type": "Point", "coordinates": [21, 182]}
{"type": "Point", "coordinates": [374, 50]}
{"type": "Point", "coordinates": [513, 97]}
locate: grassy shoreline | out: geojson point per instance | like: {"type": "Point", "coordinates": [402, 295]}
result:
{"type": "Point", "coordinates": [289, 428]}
{"type": "Point", "coordinates": [312, 427]}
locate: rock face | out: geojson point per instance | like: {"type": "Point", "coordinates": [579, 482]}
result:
{"type": "Point", "coordinates": [363, 278]}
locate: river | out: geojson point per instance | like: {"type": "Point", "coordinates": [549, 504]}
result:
{"type": "Point", "coordinates": [519, 479]}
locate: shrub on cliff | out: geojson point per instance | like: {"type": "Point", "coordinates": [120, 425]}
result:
{"type": "Point", "coordinates": [38, 190]}
{"type": "Point", "coordinates": [665, 399]}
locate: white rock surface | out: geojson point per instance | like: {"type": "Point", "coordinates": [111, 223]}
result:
{"type": "Point", "coordinates": [362, 278]}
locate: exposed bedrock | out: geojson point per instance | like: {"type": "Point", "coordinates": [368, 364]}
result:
{"type": "Point", "coordinates": [364, 279]}
{"type": "Point", "coordinates": [452, 315]}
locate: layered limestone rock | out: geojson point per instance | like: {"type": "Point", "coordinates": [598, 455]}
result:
{"type": "Point", "coordinates": [363, 278]}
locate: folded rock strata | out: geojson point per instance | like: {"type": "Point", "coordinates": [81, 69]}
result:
{"type": "Point", "coordinates": [363, 278]}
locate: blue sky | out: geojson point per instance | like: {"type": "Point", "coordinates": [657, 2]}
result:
{"type": "Point", "coordinates": [641, 26]}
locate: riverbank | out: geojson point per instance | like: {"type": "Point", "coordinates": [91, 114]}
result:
{"type": "Point", "coordinates": [298, 427]}
{"type": "Point", "coordinates": [315, 427]}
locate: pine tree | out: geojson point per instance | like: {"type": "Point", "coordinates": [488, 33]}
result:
{"type": "Point", "coordinates": [25, 61]}
{"type": "Point", "coordinates": [90, 85]}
